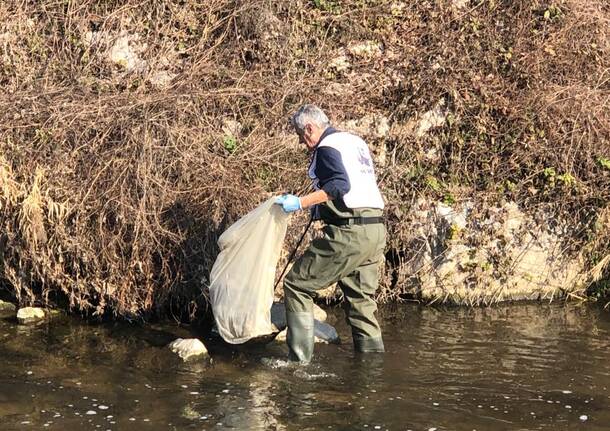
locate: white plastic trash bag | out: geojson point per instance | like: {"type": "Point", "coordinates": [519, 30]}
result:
{"type": "Point", "coordinates": [242, 278]}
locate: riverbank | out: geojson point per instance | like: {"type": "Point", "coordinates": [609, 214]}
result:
{"type": "Point", "coordinates": [135, 133]}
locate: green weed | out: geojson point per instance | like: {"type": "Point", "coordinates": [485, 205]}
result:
{"type": "Point", "coordinates": [230, 144]}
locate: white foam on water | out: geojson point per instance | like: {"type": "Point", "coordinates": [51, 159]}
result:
{"type": "Point", "coordinates": [312, 376]}
{"type": "Point", "coordinates": [275, 363]}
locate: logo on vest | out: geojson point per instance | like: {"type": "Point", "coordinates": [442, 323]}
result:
{"type": "Point", "coordinates": [365, 161]}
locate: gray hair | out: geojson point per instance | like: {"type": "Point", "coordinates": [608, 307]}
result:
{"type": "Point", "coordinates": [309, 114]}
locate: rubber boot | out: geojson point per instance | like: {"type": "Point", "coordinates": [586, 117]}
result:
{"type": "Point", "coordinates": [300, 336]}
{"type": "Point", "coordinates": [368, 345]}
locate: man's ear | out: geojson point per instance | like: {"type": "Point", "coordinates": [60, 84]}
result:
{"type": "Point", "coordinates": [308, 130]}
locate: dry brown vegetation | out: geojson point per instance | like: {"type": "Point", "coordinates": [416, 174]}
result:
{"type": "Point", "coordinates": [114, 188]}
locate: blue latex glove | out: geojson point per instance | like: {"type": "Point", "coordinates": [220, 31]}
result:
{"type": "Point", "coordinates": [289, 203]}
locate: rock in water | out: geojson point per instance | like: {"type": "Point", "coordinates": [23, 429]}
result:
{"type": "Point", "coordinates": [319, 313]}
{"type": "Point", "coordinates": [29, 315]}
{"type": "Point", "coordinates": [325, 333]}
{"type": "Point", "coordinates": [7, 307]}
{"type": "Point", "coordinates": [188, 348]}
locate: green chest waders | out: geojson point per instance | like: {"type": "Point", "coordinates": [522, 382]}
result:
{"type": "Point", "coordinates": [348, 254]}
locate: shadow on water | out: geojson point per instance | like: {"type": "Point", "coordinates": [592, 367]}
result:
{"type": "Point", "coordinates": [525, 366]}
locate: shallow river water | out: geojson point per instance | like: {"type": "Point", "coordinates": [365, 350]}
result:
{"type": "Point", "coordinates": [513, 367]}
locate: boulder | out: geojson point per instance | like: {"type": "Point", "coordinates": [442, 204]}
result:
{"type": "Point", "coordinates": [460, 254]}
{"type": "Point", "coordinates": [30, 315]}
{"type": "Point", "coordinates": [7, 307]}
{"type": "Point", "coordinates": [371, 126]}
{"type": "Point", "coordinates": [188, 348]}
{"type": "Point", "coordinates": [232, 127]}
{"type": "Point", "coordinates": [367, 49]}
{"type": "Point", "coordinates": [339, 62]}
{"type": "Point", "coordinates": [459, 4]}
{"type": "Point", "coordinates": [319, 313]}
{"type": "Point", "coordinates": [125, 52]}
{"type": "Point", "coordinates": [432, 119]}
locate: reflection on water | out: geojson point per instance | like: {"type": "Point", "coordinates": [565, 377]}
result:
{"type": "Point", "coordinates": [513, 367]}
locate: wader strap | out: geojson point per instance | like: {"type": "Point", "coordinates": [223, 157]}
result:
{"type": "Point", "coordinates": [354, 220]}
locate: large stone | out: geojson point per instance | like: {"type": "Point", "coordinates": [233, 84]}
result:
{"type": "Point", "coordinates": [460, 254]}
{"type": "Point", "coordinates": [319, 313]}
{"type": "Point", "coordinates": [340, 62]}
{"type": "Point", "coordinates": [232, 127]}
{"type": "Point", "coordinates": [459, 4]}
{"type": "Point", "coordinates": [188, 348]}
{"type": "Point", "coordinates": [374, 126]}
{"type": "Point", "coordinates": [7, 307]}
{"type": "Point", "coordinates": [30, 315]}
{"type": "Point", "coordinates": [124, 49]}
{"type": "Point", "coordinates": [125, 52]}
{"type": "Point", "coordinates": [367, 49]}
{"type": "Point", "coordinates": [434, 118]}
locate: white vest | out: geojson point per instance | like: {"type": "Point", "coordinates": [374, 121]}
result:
{"type": "Point", "coordinates": [358, 164]}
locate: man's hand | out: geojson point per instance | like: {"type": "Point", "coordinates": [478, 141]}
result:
{"type": "Point", "coordinates": [289, 203]}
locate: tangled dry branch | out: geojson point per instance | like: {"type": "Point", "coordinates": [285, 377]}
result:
{"type": "Point", "coordinates": [134, 132]}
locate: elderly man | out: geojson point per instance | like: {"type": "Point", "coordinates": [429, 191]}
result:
{"type": "Point", "coordinates": [347, 199]}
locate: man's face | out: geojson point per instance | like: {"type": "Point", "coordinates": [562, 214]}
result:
{"type": "Point", "coordinates": [310, 136]}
